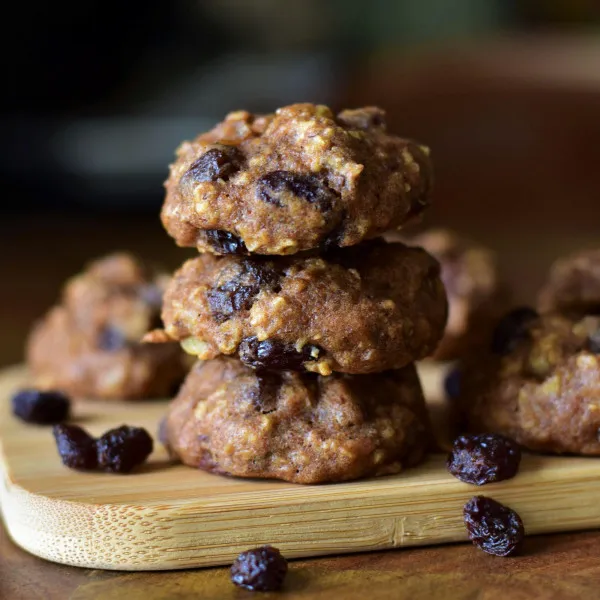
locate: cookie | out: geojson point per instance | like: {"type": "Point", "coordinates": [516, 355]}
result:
{"type": "Point", "coordinates": [364, 309]}
{"type": "Point", "coordinates": [477, 294]}
{"type": "Point", "coordinates": [573, 284]}
{"type": "Point", "coordinates": [303, 428]}
{"type": "Point", "coordinates": [299, 179]}
{"type": "Point", "coordinates": [89, 345]}
{"type": "Point", "coordinates": [539, 384]}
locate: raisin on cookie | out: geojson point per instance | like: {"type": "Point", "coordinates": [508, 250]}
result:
{"type": "Point", "coordinates": [573, 284]}
{"type": "Point", "coordinates": [477, 294]}
{"type": "Point", "coordinates": [299, 179]}
{"type": "Point", "coordinates": [540, 386]}
{"type": "Point", "coordinates": [230, 419]}
{"type": "Point", "coordinates": [89, 344]}
{"type": "Point", "coordinates": [364, 309]}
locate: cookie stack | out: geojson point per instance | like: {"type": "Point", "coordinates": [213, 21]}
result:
{"type": "Point", "coordinates": [306, 326]}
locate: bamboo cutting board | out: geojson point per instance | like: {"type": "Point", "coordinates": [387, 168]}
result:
{"type": "Point", "coordinates": [170, 517]}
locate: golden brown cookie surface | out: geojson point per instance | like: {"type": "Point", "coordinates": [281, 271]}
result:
{"type": "Point", "coordinates": [541, 387]}
{"type": "Point", "coordinates": [303, 428]}
{"type": "Point", "coordinates": [295, 180]}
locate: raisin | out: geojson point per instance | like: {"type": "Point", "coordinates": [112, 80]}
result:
{"type": "Point", "coordinates": [224, 242]}
{"type": "Point", "coordinates": [452, 384]}
{"type": "Point", "coordinates": [259, 570]}
{"type": "Point", "coordinates": [493, 527]}
{"type": "Point", "coordinates": [111, 339]}
{"type": "Point", "coordinates": [43, 408]}
{"type": "Point", "coordinates": [369, 117]}
{"type": "Point", "coordinates": [238, 293]}
{"type": "Point", "coordinates": [512, 329]}
{"type": "Point", "coordinates": [264, 395]}
{"type": "Point", "coordinates": [273, 354]}
{"type": "Point", "coordinates": [484, 458]}
{"type": "Point", "coordinates": [77, 448]}
{"type": "Point", "coordinates": [122, 449]}
{"type": "Point", "coordinates": [276, 185]}
{"type": "Point", "coordinates": [594, 342]}
{"type": "Point", "coordinates": [217, 163]}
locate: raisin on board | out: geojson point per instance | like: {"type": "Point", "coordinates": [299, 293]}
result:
{"type": "Point", "coordinates": [217, 163]}
{"type": "Point", "coordinates": [272, 354]}
{"type": "Point", "coordinates": [512, 329]}
{"type": "Point", "coordinates": [77, 448]}
{"type": "Point", "coordinates": [259, 570]}
{"type": "Point", "coordinates": [122, 449]}
{"type": "Point", "coordinates": [493, 527]}
{"type": "Point", "coordinates": [276, 185]}
{"type": "Point", "coordinates": [484, 458]}
{"type": "Point", "coordinates": [224, 242]}
{"type": "Point", "coordinates": [41, 407]}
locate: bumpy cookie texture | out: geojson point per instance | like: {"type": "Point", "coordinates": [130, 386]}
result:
{"type": "Point", "coordinates": [89, 345]}
{"type": "Point", "coordinates": [298, 179]}
{"type": "Point", "coordinates": [364, 309]}
{"type": "Point", "coordinates": [477, 294]}
{"type": "Point", "coordinates": [573, 284]}
{"type": "Point", "coordinates": [544, 393]}
{"type": "Point", "coordinates": [302, 428]}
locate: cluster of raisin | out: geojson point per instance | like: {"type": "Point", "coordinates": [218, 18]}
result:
{"type": "Point", "coordinates": [479, 460]}
{"type": "Point", "coordinates": [119, 450]}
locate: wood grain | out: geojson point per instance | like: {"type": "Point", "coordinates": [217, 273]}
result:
{"type": "Point", "coordinates": [170, 517]}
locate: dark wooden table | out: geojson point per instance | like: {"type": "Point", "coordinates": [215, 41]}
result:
{"type": "Point", "coordinates": [37, 256]}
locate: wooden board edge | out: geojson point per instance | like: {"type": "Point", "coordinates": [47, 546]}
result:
{"type": "Point", "coordinates": [136, 538]}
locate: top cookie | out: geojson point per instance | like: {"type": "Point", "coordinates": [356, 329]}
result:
{"type": "Point", "coordinates": [573, 284]}
{"type": "Point", "coordinates": [295, 180]}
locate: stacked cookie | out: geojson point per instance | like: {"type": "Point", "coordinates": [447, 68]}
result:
{"type": "Point", "coordinates": [306, 327]}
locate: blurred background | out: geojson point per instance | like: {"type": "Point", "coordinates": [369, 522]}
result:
{"type": "Point", "coordinates": [98, 95]}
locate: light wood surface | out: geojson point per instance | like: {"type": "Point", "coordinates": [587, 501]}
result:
{"type": "Point", "coordinates": [169, 516]}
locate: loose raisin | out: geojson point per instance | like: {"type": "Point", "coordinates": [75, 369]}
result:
{"type": "Point", "coordinates": [238, 293]}
{"type": "Point", "coordinates": [217, 163]}
{"type": "Point", "coordinates": [224, 242]}
{"type": "Point", "coordinates": [77, 448]}
{"type": "Point", "coordinates": [111, 339]}
{"type": "Point", "coordinates": [273, 354]}
{"type": "Point", "coordinates": [123, 448]}
{"type": "Point", "coordinates": [594, 342]}
{"type": "Point", "coordinates": [41, 407]}
{"type": "Point", "coordinates": [512, 329]}
{"type": "Point", "coordinates": [259, 570]}
{"type": "Point", "coordinates": [452, 384]}
{"type": "Point", "coordinates": [493, 527]}
{"type": "Point", "coordinates": [276, 185]}
{"type": "Point", "coordinates": [484, 458]}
